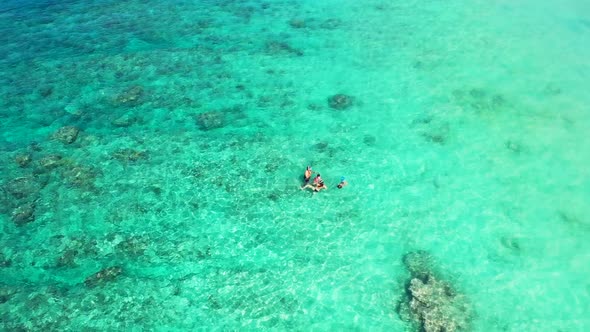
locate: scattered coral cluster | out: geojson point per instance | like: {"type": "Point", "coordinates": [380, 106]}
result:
{"type": "Point", "coordinates": [430, 303]}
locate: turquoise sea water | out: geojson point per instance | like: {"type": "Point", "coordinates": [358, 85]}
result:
{"type": "Point", "coordinates": [467, 138]}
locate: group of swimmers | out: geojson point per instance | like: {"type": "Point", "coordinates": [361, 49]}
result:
{"type": "Point", "coordinates": [318, 182]}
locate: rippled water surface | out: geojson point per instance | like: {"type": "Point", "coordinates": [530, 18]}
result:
{"type": "Point", "coordinates": [151, 154]}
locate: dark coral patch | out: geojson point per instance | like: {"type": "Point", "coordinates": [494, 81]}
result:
{"type": "Point", "coordinates": [23, 187]}
{"type": "Point", "coordinates": [282, 48]}
{"type": "Point", "coordinates": [211, 120]}
{"type": "Point", "coordinates": [130, 96]}
{"type": "Point", "coordinates": [23, 160]}
{"type": "Point", "coordinates": [66, 135]}
{"type": "Point", "coordinates": [340, 101]}
{"type": "Point", "coordinates": [130, 155]}
{"type": "Point", "coordinates": [431, 304]}
{"type": "Point", "coordinates": [23, 214]}
{"type": "Point", "coordinates": [103, 276]}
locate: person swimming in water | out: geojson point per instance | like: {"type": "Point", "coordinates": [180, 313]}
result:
{"type": "Point", "coordinates": [316, 187]}
{"type": "Point", "coordinates": [321, 185]}
{"type": "Point", "coordinates": [317, 179]}
{"type": "Point", "coordinates": [307, 175]}
{"type": "Point", "coordinates": [342, 183]}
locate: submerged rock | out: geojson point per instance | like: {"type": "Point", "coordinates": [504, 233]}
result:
{"type": "Point", "coordinates": [129, 155]}
{"type": "Point", "coordinates": [4, 261]}
{"type": "Point", "coordinates": [331, 23]}
{"type": "Point", "coordinates": [35, 146]}
{"type": "Point", "coordinates": [321, 146]}
{"type": "Point", "coordinates": [23, 160]}
{"type": "Point", "coordinates": [340, 101]}
{"type": "Point", "coordinates": [46, 91]}
{"type": "Point", "coordinates": [5, 202]}
{"type": "Point", "coordinates": [23, 187]}
{"type": "Point", "coordinates": [124, 120]}
{"type": "Point", "coordinates": [154, 189]}
{"type": "Point", "coordinates": [435, 137]}
{"type": "Point", "coordinates": [67, 134]}
{"type": "Point", "coordinates": [68, 258]}
{"type": "Point", "coordinates": [430, 303]}
{"type": "Point", "coordinates": [130, 96]}
{"type": "Point", "coordinates": [280, 47]}
{"type": "Point", "coordinates": [6, 293]}
{"type": "Point", "coordinates": [134, 246]}
{"type": "Point", "coordinates": [23, 214]}
{"type": "Point", "coordinates": [50, 162]}
{"type": "Point", "coordinates": [369, 140]}
{"type": "Point", "coordinates": [76, 249]}
{"type": "Point", "coordinates": [103, 276]}
{"type": "Point", "coordinates": [437, 133]}
{"type": "Point", "coordinates": [480, 100]}
{"type": "Point", "coordinates": [436, 306]}
{"type": "Point", "coordinates": [513, 146]}
{"type": "Point", "coordinates": [314, 107]}
{"type": "Point", "coordinates": [211, 120]}
{"type": "Point", "coordinates": [477, 93]}
{"type": "Point", "coordinates": [297, 23]}
{"type": "Point", "coordinates": [79, 176]}
{"type": "Point", "coordinates": [418, 263]}
{"type": "Point", "coordinates": [511, 243]}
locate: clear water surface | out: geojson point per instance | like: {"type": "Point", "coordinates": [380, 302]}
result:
{"type": "Point", "coordinates": [466, 137]}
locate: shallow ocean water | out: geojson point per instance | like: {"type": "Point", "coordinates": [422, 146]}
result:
{"type": "Point", "coordinates": [467, 138]}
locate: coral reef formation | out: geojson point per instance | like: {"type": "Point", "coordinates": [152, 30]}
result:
{"type": "Point", "coordinates": [103, 276]}
{"type": "Point", "coordinates": [430, 303]}
{"type": "Point", "coordinates": [211, 120]}
{"type": "Point", "coordinates": [280, 47]}
{"type": "Point", "coordinates": [124, 120]}
{"type": "Point", "coordinates": [129, 155]}
{"type": "Point", "coordinates": [340, 101]}
{"type": "Point", "coordinates": [130, 96]}
{"type": "Point", "coordinates": [23, 214]}
{"type": "Point", "coordinates": [67, 134]}
{"type": "Point", "coordinates": [49, 162]}
{"type": "Point", "coordinates": [20, 196]}
{"type": "Point", "coordinates": [23, 160]}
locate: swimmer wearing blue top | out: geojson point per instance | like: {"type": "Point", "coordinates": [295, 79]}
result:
{"type": "Point", "coordinates": [342, 182]}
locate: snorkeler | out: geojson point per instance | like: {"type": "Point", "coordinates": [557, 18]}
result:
{"type": "Point", "coordinates": [342, 182]}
